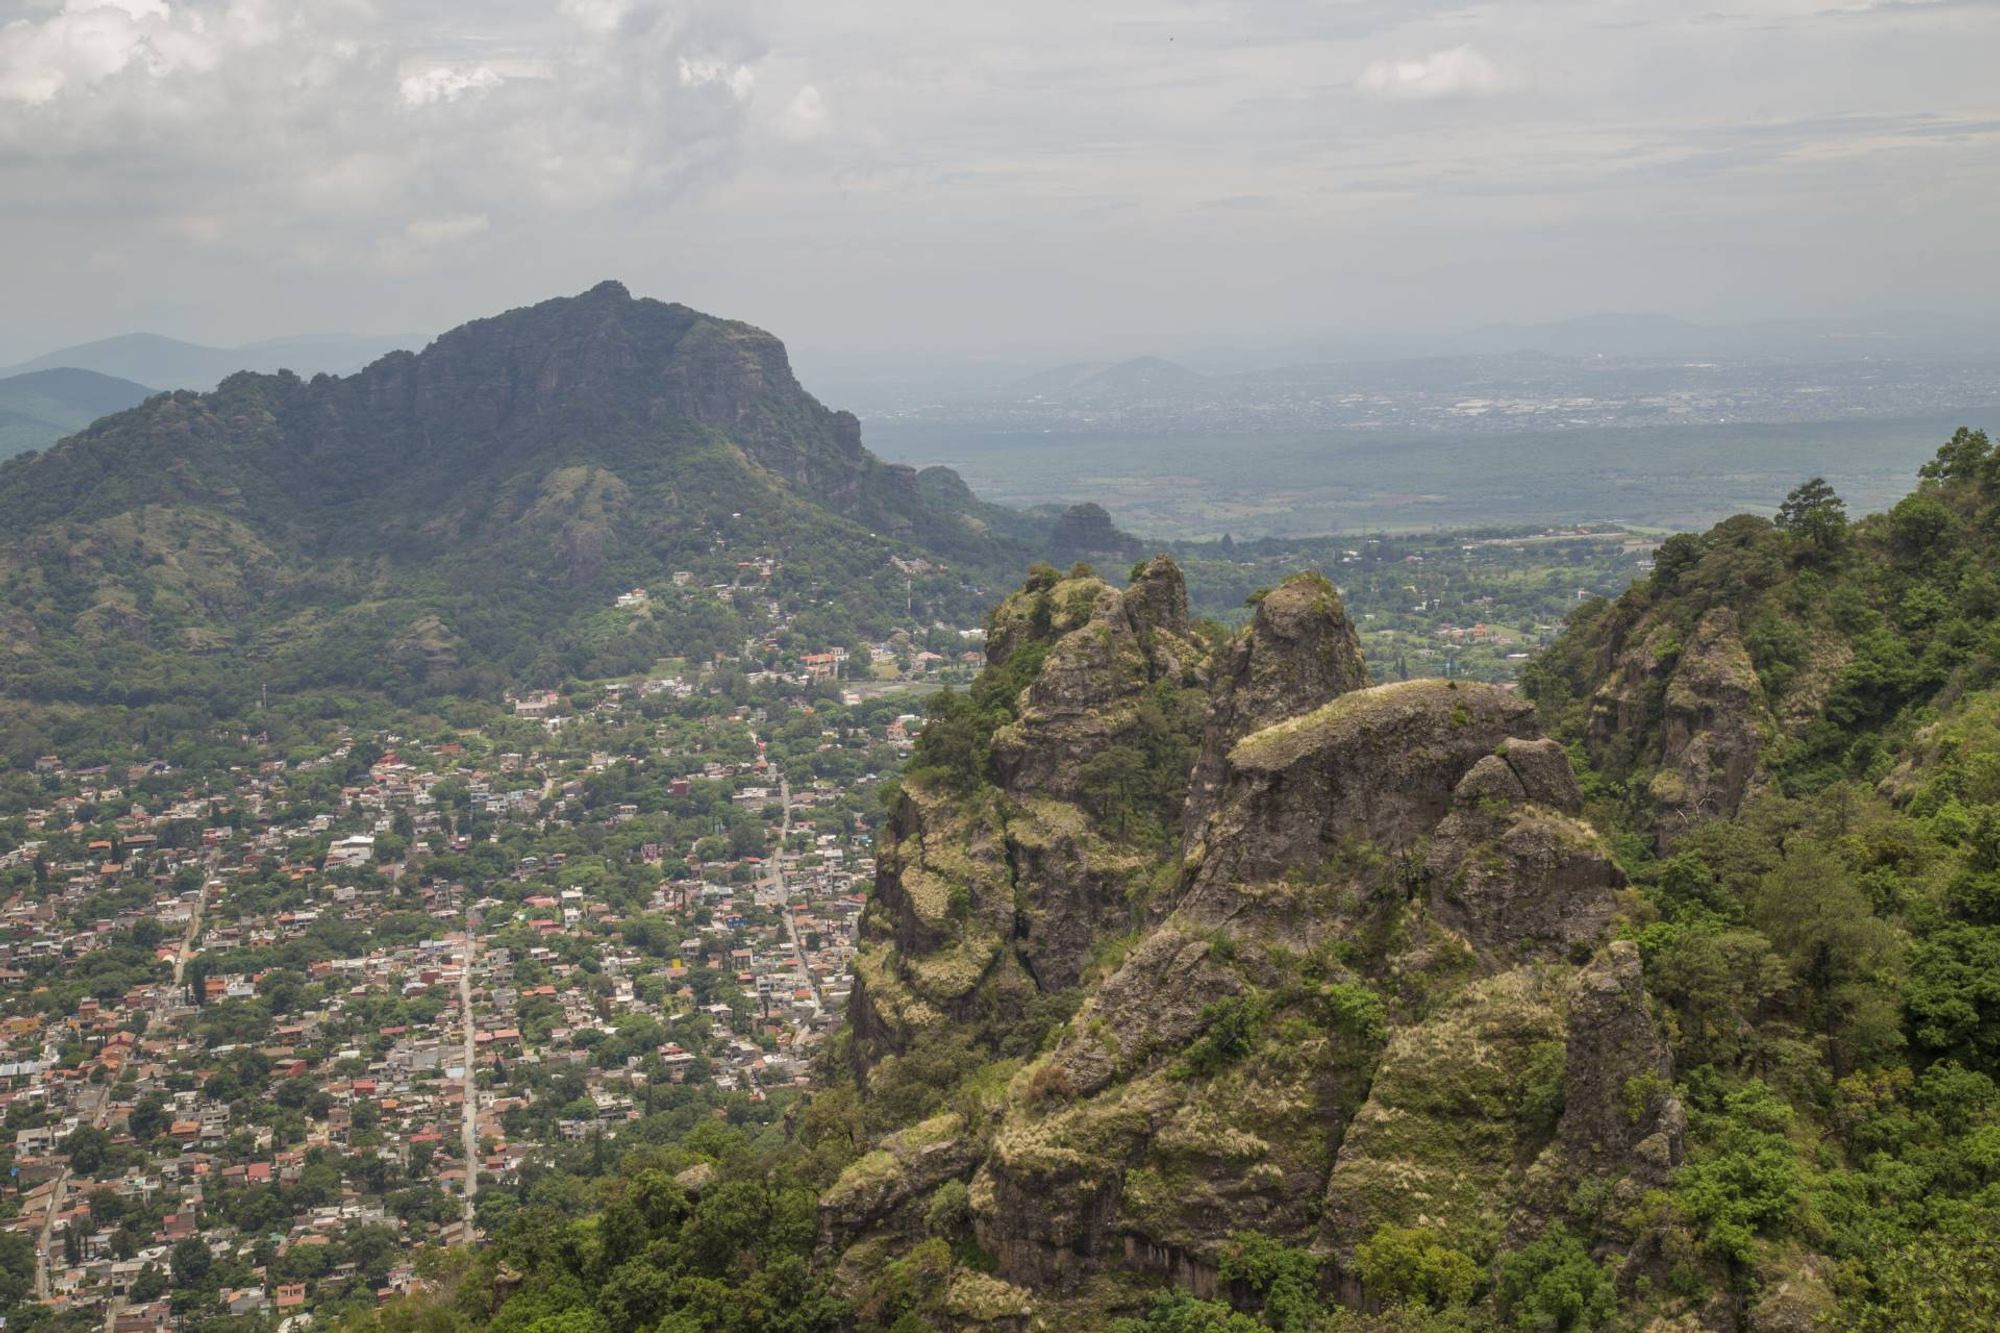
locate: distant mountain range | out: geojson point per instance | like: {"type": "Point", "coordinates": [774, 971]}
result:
{"type": "Point", "coordinates": [1145, 375]}
{"type": "Point", "coordinates": [885, 384]}
{"type": "Point", "coordinates": [40, 407]}
{"type": "Point", "coordinates": [169, 363]}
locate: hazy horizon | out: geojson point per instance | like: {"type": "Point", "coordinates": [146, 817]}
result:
{"type": "Point", "coordinates": [893, 179]}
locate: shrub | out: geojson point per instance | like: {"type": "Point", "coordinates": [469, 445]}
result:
{"type": "Point", "coordinates": [1405, 1264]}
{"type": "Point", "coordinates": [1552, 1284]}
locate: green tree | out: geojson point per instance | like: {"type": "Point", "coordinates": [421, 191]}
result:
{"type": "Point", "coordinates": [1815, 515]}
{"type": "Point", "coordinates": [1401, 1264]}
{"type": "Point", "coordinates": [86, 1147]}
{"type": "Point", "coordinates": [1821, 921]}
{"type": "Point", "coordinates": [191, 1261]}
{"type": "Point", "coordinates": [1552, 1285]}
{"type": "Point", "coordinates": [150, 1285]}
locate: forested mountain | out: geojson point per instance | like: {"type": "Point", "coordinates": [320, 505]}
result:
{"type": "Point", "coordinates": [463, 518]}
{"type": "Point", "coordinates": [1206, 986]}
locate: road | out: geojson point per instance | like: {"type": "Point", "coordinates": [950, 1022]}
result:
{"type": "Point", "coordinates": [48, 1237]}
{"type": "Point", "coordinates": [187, 941]}
{"type": "Point", "coordinates": [99, 1105]}
{"type": "Point", "coordinates": [471, 1125]}
{"type": "Point", "coordinates": [775, 885]}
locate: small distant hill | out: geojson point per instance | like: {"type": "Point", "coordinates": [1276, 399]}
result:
{"type": "Point", "coordinates": [1085, 531]}
{"type": "Point", "coordinates": [42, 406]}
{"type": "Point", "coordinates": [170, 363]}
{"type": "Point", "coordinates": [1089, 381]}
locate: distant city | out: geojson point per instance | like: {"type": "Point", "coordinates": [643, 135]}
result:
{"type": "Point", "coordinates": [1526, 391]}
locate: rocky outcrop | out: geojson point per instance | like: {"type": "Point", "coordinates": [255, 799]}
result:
{"type": "Point", "coordinates": [889, 1188]}
{"type": "Point", "coordinates": [1688, 710]}
{"type": "Point", "coordinates": [1104, 649]}
{"type": "Point", "coordinates": [1619, 1111]}
{"type": "Point", "coordinates": [1712, 729]}
{"type": "Point", "coordinates": [1150, 1007]}
{"type": "Point", "coordinates": [985, 900]}
{"type": "Point", "coordinates": [1086, 531]}
{"type": "Point", "coordinates": [1375, 766]}
{"type": "Point", "coordinates": [1299, 652]}
{"type": "Point", "coordinates": [1513, 869]}
{"type": "Point", "coordinates": [1360, 1002]}
{"type": "Point", "coordinates": [1458, 1108]}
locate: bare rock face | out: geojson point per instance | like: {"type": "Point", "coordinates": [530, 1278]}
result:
{"type": "Point", "coordinates": [1619, 1111]}
{"type": "Point", "coordinates": [982, 903]}
{"type": "Point", "coordinates": [1150, 1007]}
{"type": "Point", "coordinates": [1377, 766]}
{"type": "Point", "coordinates": [1712, 732]}
{"type": "Point", "coordinates": [1087, 530]}
{"type": "Point", "coordinates": [1452, 1117]}
{"type": "Point", "coordinates": [1513, 869]}
{"type": "Point", "coordinates": [1712, 719]}
{"type": "Point", "coordinates": [1107, 648]}
{"type": "Point", "coordinates": [889, 1187]}
{"type": "Point", "coordinates": [1300, 652]}
{"type": "Point", "coordinates": [1797, 1298]}
{"type": "Point", "coordinates": [1157, 601]}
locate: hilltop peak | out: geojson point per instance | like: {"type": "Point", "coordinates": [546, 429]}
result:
{"type": "Point", "coordinates": [571, 450]}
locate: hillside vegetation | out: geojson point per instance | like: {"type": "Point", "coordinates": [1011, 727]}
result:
{"type": "Point", "coordinates": [1208, 987]}
{"type": "Point", "coordinates": [459, 520]}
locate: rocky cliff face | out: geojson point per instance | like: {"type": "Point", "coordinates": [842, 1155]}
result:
{"type": "Point", "coordinates": [1299, 653]}
{"type": "Point", "coordinates": [1368, 988]}
{"type": "Point", "coordinates": [985, 900]}
{"type": "Point", "coordinates": [1688, 708]}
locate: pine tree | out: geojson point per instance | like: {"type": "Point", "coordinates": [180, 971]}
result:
{"type": "Point", "coordinates": [1815, 515]}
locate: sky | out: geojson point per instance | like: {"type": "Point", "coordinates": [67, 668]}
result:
{"type": "Point", "coordinates": [1048, 177]}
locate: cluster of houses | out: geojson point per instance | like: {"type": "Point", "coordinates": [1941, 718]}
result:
{"type": "Point", "coordinates": [269, 1030]}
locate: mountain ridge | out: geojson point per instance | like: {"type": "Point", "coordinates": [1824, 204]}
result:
{"type": "Point", "coordinates": [175, 363]}
{"type": "Point", "coordinates": [39, 407]}
{"type": "Point", "coordinates": [575, 448]}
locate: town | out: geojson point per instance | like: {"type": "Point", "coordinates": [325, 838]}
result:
{"type": "Point", "coordinates": [276, 1021]}
{"type": "Point", "coordinates": [294, 1011]}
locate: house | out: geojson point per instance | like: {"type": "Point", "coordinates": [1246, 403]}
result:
{"type": "Point", "coordinates": [355, 850]}
{"type": "Point", "coordinates": [537, 705]}
{"type": "Point", "coordinates": [245, 1300]}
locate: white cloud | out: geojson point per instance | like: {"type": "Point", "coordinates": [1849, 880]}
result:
{"type": "Point", "coordinates": [972, 166]}
{"type": "Point", "coordinates": [313, 131]}
{"type": "Point", "coordinates": [138, 9]}
{"type": "Point", "coordinates": [90, 41]}
{"type": "Point", "coordinates": [444, 230]}
{"type": "Point", "coordinates": [432, 84]}
{"type": "Point", "coordinates": [707, 71]}
{"type": "Point", "coordinates": [805, 115]}
{"type": "Point", "coordinates": [1458, 71]}
{"type": "Point", "coordinates": [596, 15]}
